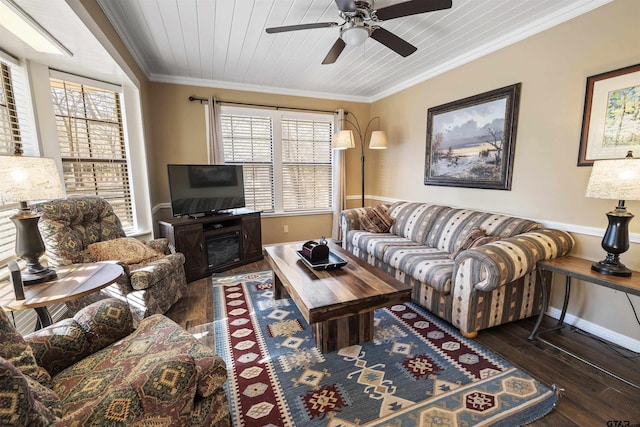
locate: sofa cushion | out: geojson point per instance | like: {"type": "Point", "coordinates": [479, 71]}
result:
{"type": "Point", "coordinates": [125, 249]}
{"type": "Point", "coordinates": [466, 240]}
{"type": "Point", "coordinates": [68, 341]}
{"type": "Point", "coordinates": [427, 265]}
{"type": "Point", "coordinates": [142, 373]}
{"type": "Point", "coordinates": [376, 219]}
{"type": "Point", "coordinates": [376, 244]}
{"type": "Point", "coordinates": [458, 223]}
{"type": "Point", "coordinates": [19, 353]}
{"type": "Point", "coordinates": [21, 403]}
{"type": "Point", "coordinates": [415, 221]}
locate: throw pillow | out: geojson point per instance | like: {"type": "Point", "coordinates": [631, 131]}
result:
{"type": "Point", "coordinates": [376, 220]}
{"type": "Point", "coordinates": [124, 249]}
{"type": "Point", "coordinates": [477, 242]}
{"type": "Point", "coordinates": [465, 241]}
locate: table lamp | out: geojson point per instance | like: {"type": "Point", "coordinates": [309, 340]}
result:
{"type": "Point", "coordinates": [618, 180]}
{"type": "Point", "coordinates": [29, 179]}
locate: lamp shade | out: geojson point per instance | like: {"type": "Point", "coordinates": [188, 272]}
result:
{"type": "Point", "coordinates": [343, 140]}
{"type": "Point", "coordinates": [615, 179]}
{"type": "Point", "coordinates": [378, 140]}
{"type": "Point", "coordinates": [28, 179]}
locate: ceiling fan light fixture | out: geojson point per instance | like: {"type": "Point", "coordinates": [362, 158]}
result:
{"type": "Point", "coordinates": [355, 36]}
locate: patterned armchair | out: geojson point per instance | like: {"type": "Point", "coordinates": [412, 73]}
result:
{"type": "Point", "coordinates": [93, 370]}
{"type": "Point", "coordinates": [83, 229]}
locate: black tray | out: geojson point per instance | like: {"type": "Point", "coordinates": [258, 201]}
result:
{"type": "Point", "coordinates": [331, 263]}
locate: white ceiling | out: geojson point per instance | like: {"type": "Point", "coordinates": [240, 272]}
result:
{"type": "Point", "coordinates": [223, 43]}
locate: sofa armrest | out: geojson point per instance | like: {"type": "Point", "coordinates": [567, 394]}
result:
{"type": "Point", "coordinates": [96, 326]}
{"type": "Point", "coordinates": [495, 264]}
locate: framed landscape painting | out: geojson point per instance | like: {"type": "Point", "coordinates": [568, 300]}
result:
{"type": "Point", "coordinates": [471, 142]}
{"type": "Point", "coordinates": [611, 118]}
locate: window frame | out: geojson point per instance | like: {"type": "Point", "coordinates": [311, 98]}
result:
{"type": "Point", "coordinates": [134, 226]}
{"type": "Point", "coordinates": [276, 117]}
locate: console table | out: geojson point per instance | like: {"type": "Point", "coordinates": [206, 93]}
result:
{"type": "Point", "coordinates": [577, 268]}
{"type": "Point", "coordinates": [73, 281]}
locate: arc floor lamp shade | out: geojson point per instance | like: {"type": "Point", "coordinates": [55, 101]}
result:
{"type": "Point", "coordinates": [30, 179]}
{"type": "Point", "coordinates": [615, 180]}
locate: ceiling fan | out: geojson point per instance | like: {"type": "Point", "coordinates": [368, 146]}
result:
{"type": "Point", "coordinates": [360, 22]}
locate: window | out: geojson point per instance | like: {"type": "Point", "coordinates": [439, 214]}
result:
{"type": "Point", "coordinates": [286, 158]}
{"type": "Point", "coordinates": [92, 144]}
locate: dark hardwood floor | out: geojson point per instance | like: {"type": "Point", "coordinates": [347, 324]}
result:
{"type": "Point", "coordinates": [588, 397]}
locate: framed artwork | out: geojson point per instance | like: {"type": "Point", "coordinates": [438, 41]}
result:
{"type": "Point", "coordinates": [611, 119]}
{"type": "Point", "coordinates": [471, 142]}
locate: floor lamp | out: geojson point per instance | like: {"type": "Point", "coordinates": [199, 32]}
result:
{"type": "Point", "coordinates": [344, 140]}
{"type": "Point", "coordinates": [28, 179]}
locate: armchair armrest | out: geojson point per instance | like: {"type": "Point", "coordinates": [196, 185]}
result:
{"type": "Point", "coordinates": [495, 264]}
{"type": "Point", "coordinates": [96, 326]}
{"type": "Point", "coordinates": [152, 272]}
{"type": "Point", "coordinates": [160, 245]}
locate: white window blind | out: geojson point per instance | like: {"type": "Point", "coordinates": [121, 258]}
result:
{"type": "Point", "coordinates": [92, 144]}
{"type": "Point", "coordinates": [286, 158]}
{"type": "Point", "coordinates": [248, 140]}
{"type": "Point", "coordinates": [306, 164]}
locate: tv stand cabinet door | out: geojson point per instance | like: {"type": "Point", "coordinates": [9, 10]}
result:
{"type": "Point", "coordinates": [251, 238]}
{"type": "Point", "coordinates": [190, 241]}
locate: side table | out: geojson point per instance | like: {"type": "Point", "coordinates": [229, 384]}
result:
{"type": "Point", "coordinates": [73, 281]}
{"type": "Point", "coordinates": [578, 268]}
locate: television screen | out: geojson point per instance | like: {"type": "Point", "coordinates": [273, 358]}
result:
{"type": "Point", "coordinates": [202, 189]}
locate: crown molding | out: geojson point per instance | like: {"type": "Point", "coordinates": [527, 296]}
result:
{"type": "Point", "coordinates": [159, 78]}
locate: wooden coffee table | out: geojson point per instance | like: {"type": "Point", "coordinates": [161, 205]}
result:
{"type": "Point", "coordinates": [338, 304]}
{"type": "Point", "coordinates": [73, 281]}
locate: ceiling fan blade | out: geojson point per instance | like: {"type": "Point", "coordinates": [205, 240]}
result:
{"type": "Point", "coordinates": [273, 30]}
{"type": "Point", "coordinates": [393, 42]}
{"type": "Point", "coordinates": [346, 5]}
{"type": "Point", "coordinates": [412, 7]}
{"type": "Point", "coordinates": [335, 51]}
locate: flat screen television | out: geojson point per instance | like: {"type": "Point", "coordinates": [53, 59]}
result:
{"type": "Point", "coordinates": [197, 190]}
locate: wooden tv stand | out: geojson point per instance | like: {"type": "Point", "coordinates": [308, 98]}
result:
{"type": "Point", "coordinates": [198, 238]}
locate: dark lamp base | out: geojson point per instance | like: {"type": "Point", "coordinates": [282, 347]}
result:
{"type": "Point", "coordinates": [610, 269]}
{"type": "Point", "coordinates": [45, 275]}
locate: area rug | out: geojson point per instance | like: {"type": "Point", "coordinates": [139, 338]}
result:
{"type": "Point", "coordinates": [418, 370]}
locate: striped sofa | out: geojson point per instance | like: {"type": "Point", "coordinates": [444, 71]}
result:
{"type": "Point", "coordinates": [480, 287]}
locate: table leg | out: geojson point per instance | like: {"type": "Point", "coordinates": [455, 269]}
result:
{"type": "Point", "coordinates": [334, 334]}
{"type": "Point", "coordinates": [567, 292]}
{"type": "Point", "coordinates": [279, 291]}
{"type": "Point", "coordinates": [545, 303]}
{"type": "Point", "coordinates": [44, 318]}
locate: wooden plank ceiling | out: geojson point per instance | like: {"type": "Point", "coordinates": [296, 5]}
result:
{"type": "Point", "coordinates": [223, 43]}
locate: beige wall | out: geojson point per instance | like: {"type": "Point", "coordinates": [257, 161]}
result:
{"type": "Point", "coordinates": [178, 136]}
{"type": "Point", "coordinates": [547, 185]}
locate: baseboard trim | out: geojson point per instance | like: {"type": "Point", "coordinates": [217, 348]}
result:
{"type": "Point", "coordinates": [597, 330]}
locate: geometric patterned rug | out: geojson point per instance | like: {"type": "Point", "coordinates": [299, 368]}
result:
{"type": "Point", "coordinates": [417, 371]}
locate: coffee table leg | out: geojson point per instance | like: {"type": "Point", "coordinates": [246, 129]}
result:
{"type": "Point", "coordinates": [279, 291]}
{"type": "Point", "coordinates": [335, 334]}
